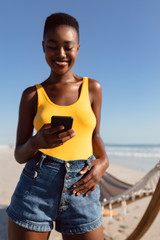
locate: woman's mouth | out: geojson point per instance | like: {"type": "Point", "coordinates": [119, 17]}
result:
{"type": "Point", "coordinates": [61, 63]}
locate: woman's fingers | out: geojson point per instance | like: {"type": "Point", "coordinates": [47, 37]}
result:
{"type": "Point", "coordinates": [86, 184]}
{"type": "Point", "coordinates": [71, 132]}
{"type": "Point", "coordinates": [52, 130]}
{"type": "Point", "coordinates": [91, 190]}
{"type": "Point", "coordinates": [56, 129]}
{"type": "Point", "coordinates": [46, 126]}
{"type": "Point", "coordinates": [84, 170]}
{"type": "Point", "coordinates": [62, 138]}
{"type": "Point", "coordinates": [85, 188]}
{"type": "Point", "coordinates": [53, 137]}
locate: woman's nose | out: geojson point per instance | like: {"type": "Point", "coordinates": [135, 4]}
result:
{"type": "Point", "coordinates": [61, 52]}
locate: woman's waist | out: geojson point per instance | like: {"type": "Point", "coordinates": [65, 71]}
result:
{"type": "Point", "coordinates": [41, 159]}
{"type": "Point", "coordinates": [71, 155]}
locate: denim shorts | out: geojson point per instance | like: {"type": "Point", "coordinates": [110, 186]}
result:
{"type": "Point", "coordinates": [44, 195]}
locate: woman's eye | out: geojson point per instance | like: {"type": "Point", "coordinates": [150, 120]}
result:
{"type": "Point", "coordinates": [57, 48]}
{"type": "Point", "coordinates": [68, 48]}
{"type": "Point", "coordinates": [52, 48]}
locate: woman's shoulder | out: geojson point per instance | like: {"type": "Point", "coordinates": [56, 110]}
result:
{"type": "Point", "coordinates": [94, 85]}
{"type": "Point", "coordinates": [29, 93]}
{"type": "Point", "coordinates": [95, 91]}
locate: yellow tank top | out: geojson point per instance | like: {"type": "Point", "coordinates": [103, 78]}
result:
{"type": "Point", "coordinates": [84, 122]}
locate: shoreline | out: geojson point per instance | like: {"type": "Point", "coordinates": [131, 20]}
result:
{"type": "Point", "coordinates": [117, 228]}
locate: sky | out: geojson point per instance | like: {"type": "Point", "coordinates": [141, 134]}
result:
{"type": "Point", "coordinates": [120, 47]}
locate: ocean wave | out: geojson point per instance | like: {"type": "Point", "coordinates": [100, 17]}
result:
{"type": "Point", "coordinates": [134, 154]}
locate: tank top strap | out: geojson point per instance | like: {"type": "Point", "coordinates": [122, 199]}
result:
{"type": "Point", "coordinates": [40, 95]}
{"type": "Point", "coordinates": [85, 83]}
{"type": "Point", "coordinates": [85, 91]}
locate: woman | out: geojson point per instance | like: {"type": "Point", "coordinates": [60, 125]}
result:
{"type": "Point", "coordinates": [60, 180]}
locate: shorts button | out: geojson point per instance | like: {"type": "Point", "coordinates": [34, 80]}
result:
{"type": "Point", "coordinates": [68, 177]}
{"type": "Point", "coordinates": [65, 190]}
{"type": "Point", "coordinates": [68, 164]}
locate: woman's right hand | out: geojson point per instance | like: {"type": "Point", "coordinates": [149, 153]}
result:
{"type": "Point", "coordinates": [48, 137]}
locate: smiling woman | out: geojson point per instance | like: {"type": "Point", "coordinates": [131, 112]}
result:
{"type": "Point", "coordinates": [60, 168]}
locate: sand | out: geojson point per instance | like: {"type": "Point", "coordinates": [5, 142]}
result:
{"type": "Point", "coordinates": [117, 228]}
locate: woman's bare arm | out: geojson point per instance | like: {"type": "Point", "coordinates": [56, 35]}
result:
{"type": "Point", "coordinates": [25, 142]}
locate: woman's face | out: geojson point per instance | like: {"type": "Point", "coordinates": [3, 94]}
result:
{"type": "Point", "coordinates": [61, 47]}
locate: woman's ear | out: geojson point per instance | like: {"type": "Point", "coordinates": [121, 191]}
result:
{"type": "Point", "coordinates": [43, 46]}
{"type": "Point", "coordinates": [78, 46]}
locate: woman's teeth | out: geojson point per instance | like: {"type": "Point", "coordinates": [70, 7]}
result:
{"type": "Point", "coordinates": [61, 63]}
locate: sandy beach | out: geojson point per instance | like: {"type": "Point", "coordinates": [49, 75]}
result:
{"type": "Point", "coordinates": [116, 228]}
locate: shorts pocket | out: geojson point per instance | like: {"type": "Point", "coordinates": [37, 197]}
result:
{"type": "Point", "coordinates": [23, 188]}
{"type": "Point", "coordinates": [30, 172]}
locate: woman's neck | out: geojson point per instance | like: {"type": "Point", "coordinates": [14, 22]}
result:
{"type": "Point", "coordinates": [67, 77]}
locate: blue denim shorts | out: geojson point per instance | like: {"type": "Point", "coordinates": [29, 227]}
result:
{"type": "Point", "coordinates": [44, 195]}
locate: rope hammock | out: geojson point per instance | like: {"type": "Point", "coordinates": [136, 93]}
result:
{"type": "Point", "coordinates": [115, 192]}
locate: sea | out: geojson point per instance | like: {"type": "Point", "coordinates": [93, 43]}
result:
{"type": "Point", "coordinates": [137, 156]}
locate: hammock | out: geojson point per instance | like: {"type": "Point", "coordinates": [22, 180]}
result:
{"type": "Point", "coordinates": [115, 192]}
{"type": "Point", "coordinates": [148, 217]}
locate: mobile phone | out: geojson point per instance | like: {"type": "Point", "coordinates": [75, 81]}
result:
{"type": "Point", "coordinates": [66, 121]}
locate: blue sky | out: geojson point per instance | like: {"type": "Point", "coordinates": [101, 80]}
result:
{"type": "Point", "coordinates": [120, 47]}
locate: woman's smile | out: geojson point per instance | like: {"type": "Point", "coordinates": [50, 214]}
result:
{"type": "Point", "coordinates": [61, 63]}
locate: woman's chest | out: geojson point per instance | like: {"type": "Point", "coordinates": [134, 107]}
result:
{"type": "Point", "coordinates": [66, 94]}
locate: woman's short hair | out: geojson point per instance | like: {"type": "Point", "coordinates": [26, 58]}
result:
{"type": "Point", "coordinates": [57, 19]}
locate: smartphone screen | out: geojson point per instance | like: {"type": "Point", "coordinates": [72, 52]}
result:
{"type": "Point", "coordinates": [66, 121]}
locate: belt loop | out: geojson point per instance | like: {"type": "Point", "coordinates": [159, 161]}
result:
{"type": "Point", "coordinates": [40, 162]}
{"type": "Point", "coordinates": [91, 158]}
{"type": "Point", "coordinates": [89, 164]}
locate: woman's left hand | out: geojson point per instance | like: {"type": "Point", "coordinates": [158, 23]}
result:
{"type": "Point", "coordinates": [89, 182]}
